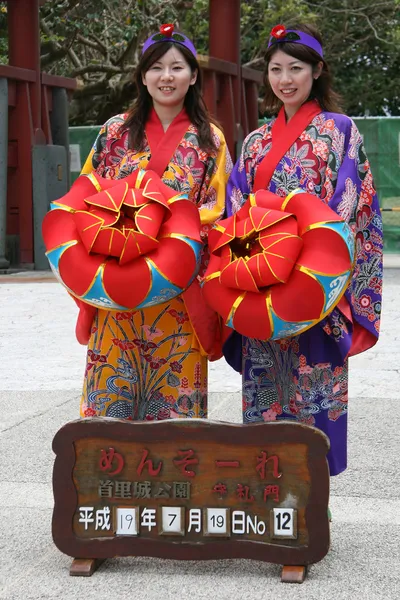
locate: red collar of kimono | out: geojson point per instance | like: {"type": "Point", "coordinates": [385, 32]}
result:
{"type": "Point", "coordinates": [283, 137]}
{"type": "Point", "coordinates": [164, 143]}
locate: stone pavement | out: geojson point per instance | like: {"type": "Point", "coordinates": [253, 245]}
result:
{"type": "Point", "coordinates": [41, 370]}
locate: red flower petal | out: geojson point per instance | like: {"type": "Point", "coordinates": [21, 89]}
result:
{"type": "Point", "coordinates": [225, 255]}
{"type": "Point", "coordinates": [213, 237]}
{"type": "Point", "coordinates": [267, 200]}
{"type": "Point", "coordinates": [281, 266]}
{"type": "Point", "coordinates": [309, 210]}
{"type": "Point", "coordinates": [149, 218]}
{"type": "Point", "coordinates": [107, 217]}
{"type": "Point", "coordinates": [220, 298]}
{"type": "Point", "coordinates": [164, 259]}
{"type": "Point", "coordinates": [300, 299]}
{"type": "Point", "coordinates": [225, 237]}
{"type": "Point", "coordinates": [111, 199]}
{"type": "Point", "coordinates": [110, 241]}
{"type": "Point", "coordinates": [262, 218]}
{"type": "Point", "coordinates": [127, 285]}
{"type": "Point", "coordinates": [80, 189]}
{"type": "Point", "coordinates": [244, 227]}
{"type": "Point", "coordinates": [268, 237]}
{"type": "Point", "coordinates": [184, 220]}
{"type": "Point", "coordinates": [262, 272]}
{"type": "Point", "coordinates": [237, 276]}
{"type": "Point", "coordinates": [136, 245]}
{"type": "Point", "coordinates": [78, 268]}
{"type": "Point", "coordinates": [154, 189]}
{"type": "Point", "coordinates": [216, 264]}
{"type": "Point", "coordinates": [324, 261]}
{"type": "Point", "coordinates": [89, 226]}
{"type": "Point", "coordinates": [59, 228]}
{"type": "Point", "coordinates": [259, 325]}
{"type": "Point", "coordinates": [135, 198]}
{"type": "Point", "coordinates": [282, 255]}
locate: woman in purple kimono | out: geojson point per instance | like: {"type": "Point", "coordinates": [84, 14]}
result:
{"type": "Point", "coordinates": [310, 144]}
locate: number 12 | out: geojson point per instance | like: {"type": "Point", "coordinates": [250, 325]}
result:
{"type": "Point", "coordinates": [283, 521]}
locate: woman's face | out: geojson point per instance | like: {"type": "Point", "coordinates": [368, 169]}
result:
{"type": "Point", "coordinates": [169, 78]}
{"type": "Point", "coordinates": [291, 80]}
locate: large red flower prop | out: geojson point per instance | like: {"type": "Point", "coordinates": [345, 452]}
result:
{"type": "Point", "coordinates": [278, 266]}
{"type": "Point", "coordinates": [123, 244]}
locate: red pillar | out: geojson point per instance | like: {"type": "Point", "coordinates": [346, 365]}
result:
{"type": "Point", "coordinates": [224, 43]}
{"type": "Point", "coordinates": [24, 46]}
{"type": "Point", "coordinates": [25, 117]}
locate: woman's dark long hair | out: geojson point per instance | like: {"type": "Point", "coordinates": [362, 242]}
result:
{"type": "Point", "coordinates": [193, 103]}
{"type": "Point", "coordinates": [322, 87]}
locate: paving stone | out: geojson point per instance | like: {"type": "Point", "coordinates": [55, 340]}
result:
{"type": "Point", "coordinates": [41, 371]}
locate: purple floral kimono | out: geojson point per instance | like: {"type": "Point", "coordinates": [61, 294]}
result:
{"type": "Point", "coordinates": [305, 378]}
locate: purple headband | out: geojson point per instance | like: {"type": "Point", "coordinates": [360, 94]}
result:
{"type": "Point", "coordinates": [166, 34]}
{"type": "Point", "coordinates": [280, 34]}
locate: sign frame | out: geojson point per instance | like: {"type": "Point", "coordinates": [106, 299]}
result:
{"type": "Point", "coordinates": [189, 431]}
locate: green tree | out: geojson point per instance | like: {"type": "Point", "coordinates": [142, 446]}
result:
{"type": "Point", "coordinates": [362, 43]}
{"type": "Point", "coordinates": [99, 43]}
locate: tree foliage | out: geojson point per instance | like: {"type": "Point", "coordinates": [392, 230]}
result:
{"type": "Point", "coordinates": [362, 44]}
{"type": "Point", "coordinates": [99, 42]}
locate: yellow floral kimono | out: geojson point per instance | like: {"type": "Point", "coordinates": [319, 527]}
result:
{"type": "Point", "coordinates": [149, 364]}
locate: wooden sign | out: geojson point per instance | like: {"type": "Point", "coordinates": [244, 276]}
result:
{"type": "Point", "coordinates": [191, 489]}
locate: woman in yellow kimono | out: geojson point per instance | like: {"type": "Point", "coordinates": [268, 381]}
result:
{"type": "Point", "coordinates": [151, 364]}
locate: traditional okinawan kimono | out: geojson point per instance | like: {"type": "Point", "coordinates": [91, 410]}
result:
{"type": "Point", "coordinates": [151, 364]}
{"type": "Point", "coordinates": [305, 378]}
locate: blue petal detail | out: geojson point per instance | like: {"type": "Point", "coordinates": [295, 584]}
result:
{"type": "Point", "coordinates": [284, 329]}
{"type": "Point", "coordinates": [54, 256]}
{"type": "Point", "coordinates": [333, 287]}
{"type": "Point", "coordinates": [229, 322]}
{"type": "Point", "coordinates": [161, 289]}
{"type": "Point", "coordinates": [98, 296]}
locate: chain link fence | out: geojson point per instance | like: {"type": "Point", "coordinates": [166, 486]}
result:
{"type": "Point", "coordinates": [382, 143]}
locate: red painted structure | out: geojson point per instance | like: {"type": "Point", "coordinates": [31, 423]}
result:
{"type": "Point", "coordinates": [30, 104]}
{"type": "Point", "coordinates": [231, 93]}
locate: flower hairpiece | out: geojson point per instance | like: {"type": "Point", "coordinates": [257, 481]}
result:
{"type": "Point", "coordinates": [278, 32]}
{"type": "Point", "coordinates": [167, 29]}
{"type": "Point", "coordinates": [166, 34]}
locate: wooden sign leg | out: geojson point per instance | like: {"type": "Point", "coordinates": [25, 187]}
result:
{"type": "Point", "coordinates": [293, 574]}
{"type": "Point", "coordinates": [85, 567]}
